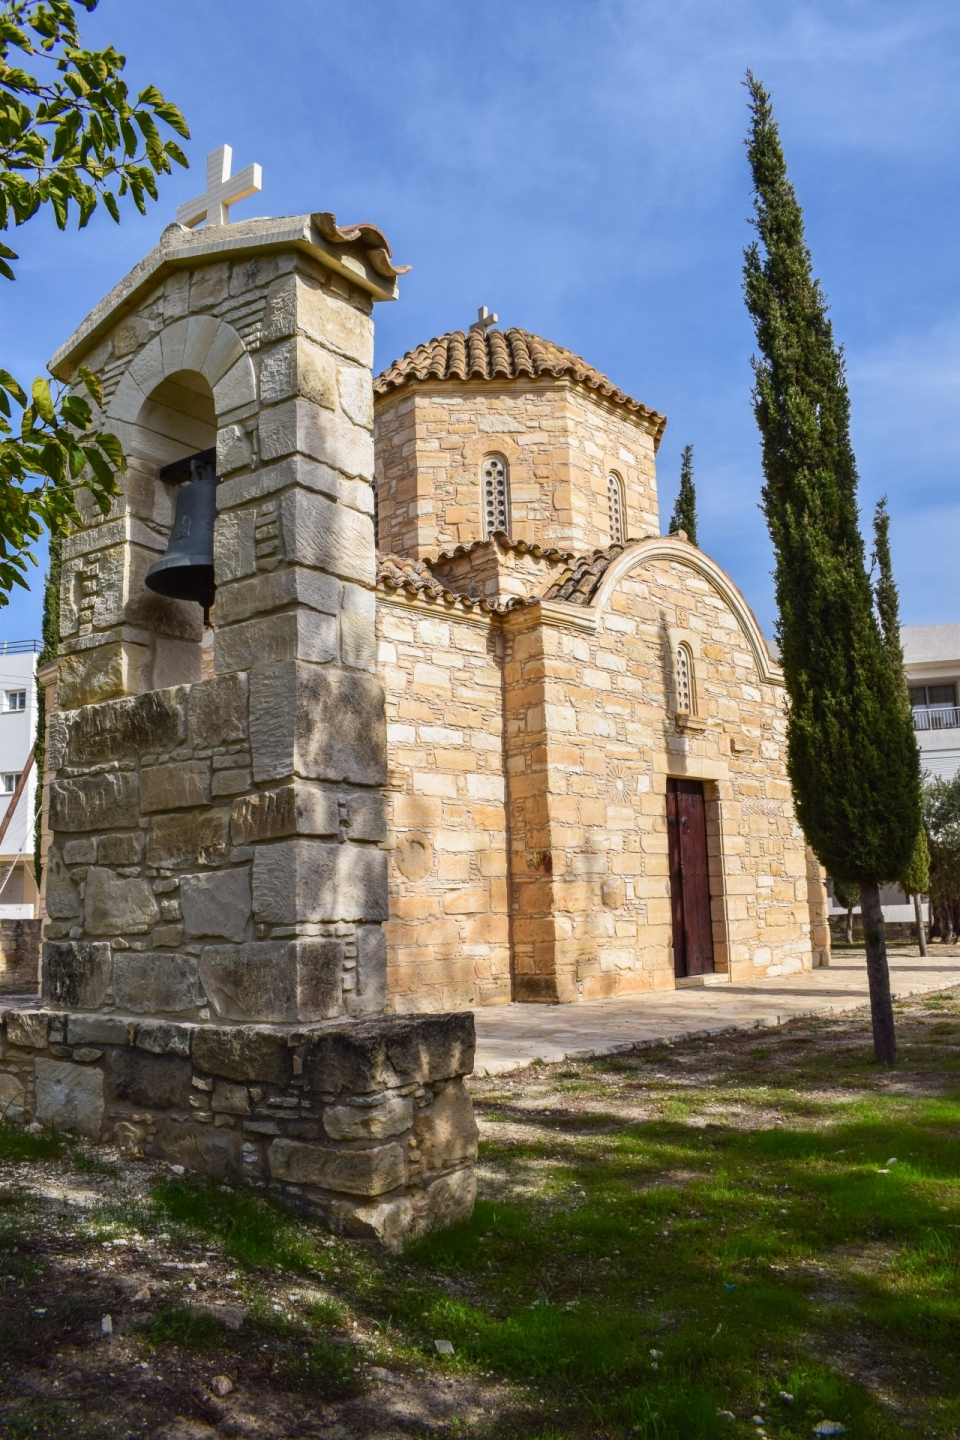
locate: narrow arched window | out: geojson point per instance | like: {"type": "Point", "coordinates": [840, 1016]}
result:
{"type": "Point", "coordinates": [684, 681]}
{"type": "Point", "coordinates": [615, 505]}
{"type": "Point", "coordinates": [496, 514]}
{"type": "Point", "coordinates": [376, 517]}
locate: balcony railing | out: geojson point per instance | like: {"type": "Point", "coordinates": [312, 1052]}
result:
{"type": "Point", "coordinates": [936, 717]}
{"type": "Point", "coordinates": [20, 647]}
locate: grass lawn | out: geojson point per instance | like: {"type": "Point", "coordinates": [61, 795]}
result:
{"type": "Point", "coordinates": [750, 1235]}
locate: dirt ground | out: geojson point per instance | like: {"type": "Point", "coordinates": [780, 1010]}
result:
{"type": "Point", "coordinates": [118, 1321]}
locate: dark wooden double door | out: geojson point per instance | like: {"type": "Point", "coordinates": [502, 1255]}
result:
{"type": "Point", "coordinates": [689, 878]}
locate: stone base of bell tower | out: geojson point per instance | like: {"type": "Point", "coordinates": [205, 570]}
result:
{"type": "Point", "coordinates": [362, 1124]}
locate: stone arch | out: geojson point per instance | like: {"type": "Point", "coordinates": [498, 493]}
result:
{"type": "Point", "coordinates": [176, 396]}
{"type": "Point", "coordinates": [200, 343]}
{"type": "Point", "coordinates": [680, 551]}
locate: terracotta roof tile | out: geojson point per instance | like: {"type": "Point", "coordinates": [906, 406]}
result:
{"type": "Point", "coordinates": [579, 584]}
{"type": "Point", "coordinates": [501, 538]}
{"type": "Point", "coordinates": [503, 354]}
{"type": "Point", "coordinates": [398, 572]}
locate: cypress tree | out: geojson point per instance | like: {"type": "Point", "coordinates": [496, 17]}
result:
{"type": "Point", "coordinates": [684, 515]}
{"type": "Point", "coordinates": [846, 894]}
{"type": "Point", "coordinates": [915, 879]}
{"type": "Point", "coordinates": [851, 751]}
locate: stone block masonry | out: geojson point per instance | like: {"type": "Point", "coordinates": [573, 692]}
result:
{"type": "Point", "coordinates": [366, 1127]}
{"type": "Point", "coordinates": [164, 901]}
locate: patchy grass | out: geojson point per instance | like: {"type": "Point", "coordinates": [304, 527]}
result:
{"type": "Point", "coordinates": [668, 1244]}
{"type": "Point", "coordinates": [248, 1228]}
{"type": "Point", "coordinates": [17, 1146]}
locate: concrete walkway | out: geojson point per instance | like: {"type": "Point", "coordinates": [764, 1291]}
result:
{"type": "Point", "coordinates": [512, 1036]}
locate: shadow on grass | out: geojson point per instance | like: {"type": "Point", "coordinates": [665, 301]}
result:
{"type": "Point", "coordinates": [323, 1366]}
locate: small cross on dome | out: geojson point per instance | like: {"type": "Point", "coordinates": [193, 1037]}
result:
{"type": "Point", "coordinates": [484, 320]}
{"type": "Point", "coordinates": [223, 190]}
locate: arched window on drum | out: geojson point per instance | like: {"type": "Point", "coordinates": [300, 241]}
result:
{"type": "Point", "coordinates": [494, 496]}
{"type": "Point", "coordinates": [615, 506]}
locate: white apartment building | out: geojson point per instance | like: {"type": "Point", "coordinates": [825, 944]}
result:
{"type": "Point", "coordinates": [931, 658]}
{"type": "Point", "coordinates": [18, 728]}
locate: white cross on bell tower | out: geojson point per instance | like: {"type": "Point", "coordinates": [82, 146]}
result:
{"type": "Point", "coordinates": [223, 190]}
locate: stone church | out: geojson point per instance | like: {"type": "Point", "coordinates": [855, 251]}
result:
{"type": "Point", "coordinates": [587, 793]}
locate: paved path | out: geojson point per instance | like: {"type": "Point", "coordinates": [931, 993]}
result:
{"type": "Point", "coordinates": [511, 1036]}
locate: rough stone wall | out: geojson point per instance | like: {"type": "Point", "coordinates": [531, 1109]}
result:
{"type": "Point", "coordinates": [19, 956]}
{"type": "Point", "coordinates": [591, 737]}
{"type": "Point", "coordinates": [447, 936]}
{"type": "Point", "coordinates": [177, 887]}
{"type": "Point", "coordinates": [560, 442]}
{"type": "Point", "coordinates": [365, 1126]}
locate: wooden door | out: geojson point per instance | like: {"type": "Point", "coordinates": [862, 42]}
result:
{"type": "Point", "coordinates": [689, 878]}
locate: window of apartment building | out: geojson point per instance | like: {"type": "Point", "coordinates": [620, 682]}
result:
{"type": "Point", "coordinates": [615, 507]}
{"type": "Point", "coordinates": [496, 515]}
{"type": "Point", "coordinates": [15, 700]}
{"type": "Point", "coordinates": [10, 783]}
{"type": "Point", "coordinates": [933, 694]}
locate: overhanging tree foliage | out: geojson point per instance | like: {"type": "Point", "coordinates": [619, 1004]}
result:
{"type": "Point", "coordinates": [684, 515]}
{"type": "Point", "coordinates": [852, 753]}
{"type": "Point", "coordinates": [69, 136]}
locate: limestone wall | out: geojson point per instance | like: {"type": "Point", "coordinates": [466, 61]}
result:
{"type": "Point", "coordinates": [592, 735]}
{"type": "Point", "coordinates": [560, 442]}
{"type": "Point", "coordinates": [447, 937]}
{"type": "Point", "coordinates": [574, 708]}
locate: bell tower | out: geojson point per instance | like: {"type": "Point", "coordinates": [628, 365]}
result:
{"type": "Point", "coordinates": [213, 961]}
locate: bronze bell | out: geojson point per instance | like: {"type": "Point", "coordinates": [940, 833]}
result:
{"type": "Point", "coordinates": [185, 570]}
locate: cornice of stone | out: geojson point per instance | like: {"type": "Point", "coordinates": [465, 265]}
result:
{"type": "Point", "coordinates": [667, 547]}
{"type": "Point", "coordinates": [354, 257]}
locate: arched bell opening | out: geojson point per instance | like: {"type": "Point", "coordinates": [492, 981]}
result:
{"type": "Point", "coordinates": [177, 420]}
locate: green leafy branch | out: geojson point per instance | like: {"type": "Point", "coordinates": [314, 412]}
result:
{"type": "Point", "coordinates": [75, 136]}
{"type": "Point", "coordinates": [58, 446]}
{"type": "Point", "coordinates": [70, 135]}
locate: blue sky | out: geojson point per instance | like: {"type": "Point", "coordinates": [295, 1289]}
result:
{"type": "Point", "coordinates": [578, 166]}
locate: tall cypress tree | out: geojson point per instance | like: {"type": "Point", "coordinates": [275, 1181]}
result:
{"type": "Point", "coordinates": [851, 751]}
{"type": "Point", "coordinates": [684, 515]}
{"type": "Point", "coordinates": [915, 878]}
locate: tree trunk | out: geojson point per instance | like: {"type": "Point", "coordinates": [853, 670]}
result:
{"type": "Point", "coordinates": [921, 932]}
{"type": "Point", "coordinates": [878, 975]}
{"type": "Point", "coordinates": [849, 931]}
